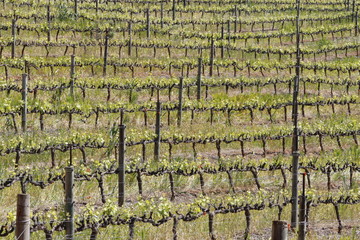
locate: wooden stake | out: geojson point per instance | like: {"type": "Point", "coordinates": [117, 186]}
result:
{"type": "Point", "coordinates": [22, 231]}
{"type": "Point", "coordinates": [157, 131]}
{"type": "Point", "coordinates": [76, 8]}
{"type": "Point", "coordinates": [212, 52]}
{"type": "Point", "coordinates": [180, 101]}
{"type": "Point", "coordinates": [295, 137]}
{"type": "Point", "coordinates": [228, 32]}
{"type": "Point", "coordinates": [48, 21]}
{"type": "Point", "coordinates": [106, 52]}
{"type": "Point", "coordinates": [353, 8]}
{"type": "Point", "coordinates": [130, 39]}
{"type": "Point", "coordinates": [148, 23]}
{"type": "Point", "coordinates": [173, 10]}
{"type": "Point", "coordinates": [279, 230]}
{"type": "Point", "coordinates": [24, 99]}
{"type": "Point", "coordinates": [236, 19]}
{"type": "Point", "coordinates": [198, 82]}
{"type": "Point", "coordinates": [13, 34]}
{"type": "Point", "coordinates": [356, 23]}
{"type": "Point", "coordinates": [72, 76]}
{"type": "Point", "coordinates": [222, 38]}
{"type": "Point", "coordinates": [302, 213]}
{"type": "Point", "coordinates": [162, 14]}
{"type": "Point", "coordinates": [69, 202]}
{"type": "Point", "coordinates": [121, 160]}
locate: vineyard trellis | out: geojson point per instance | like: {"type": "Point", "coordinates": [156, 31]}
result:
{"type": "Point", "coordinates": [204, 88]}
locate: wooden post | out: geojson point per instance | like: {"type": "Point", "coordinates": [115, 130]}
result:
{"type": "Point", "coordinates": [148, 23]}
{"type": "Point", "coordinates": [69, 202]}
{"type": "Point", "coordinates": [236, 18]}
{"type": "Point", "coordinates": [212, 51]}
{"type": "Point", "coordinates": [295, 137]}
{"type": "Point", "coordinates": [106, 52]}
{"type": "Point", "coordinates": [48, 21]}
{"type": "Point", "coordinates": [22, 230]}
{"type": "Point", "coordinates": [356, 23]}
{"type": "Point", "coordinates": [181, 84]}
{"type": "Point", "coordinates": [24, 99]}
{"type": "Point", "coordinates": [72, 76]}
{"type": "Point", "coordinates": [157, 132]}
{"type": "Point", "coordinates": [173, 9]}
{"type": "Point", "coordinates": [76, 8]}
{"type": "Point", "coordinates": [353, 9]}
{"type": "Point", "coordinates": [228, 32]}
{"type": "Point", "coordinates": [198, 82]}
{"type": "Point", "coordinates": [122, 116]}
{"type": "Point", "coordinates": [162, 14]}
{"type": "Point", "coordinates": [13, 34]}
{"type": "Point", "coordinates": [302, 213]}
{"type": "Point", "coordinates": [279, 230]}
{"type": "Point", "coordinates": [70, 155]}
{"type": "Point", "coordinates": [97, 6]}
{"type": "Point", "coordinates": [222, 40]}
{"type": "Point", "coordinates": [121, 160]}
{"type": "Point", "coordinates": [27, 71]}
{"type": "Point", "coordinates": [130, 39]}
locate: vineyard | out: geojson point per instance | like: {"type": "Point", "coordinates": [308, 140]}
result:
{"type": "Point", "coordinates": [179, 119]}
